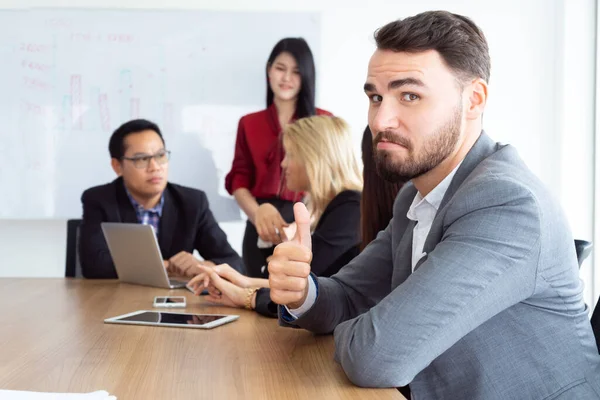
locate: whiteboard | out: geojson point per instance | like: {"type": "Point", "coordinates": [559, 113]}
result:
{"type": "Point", "coordinates": [68, 78]}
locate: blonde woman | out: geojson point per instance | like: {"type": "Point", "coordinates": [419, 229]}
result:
{"type": "Point", "coordinates": [320, 161]}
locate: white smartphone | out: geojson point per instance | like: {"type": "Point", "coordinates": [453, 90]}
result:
{"type": "Point", "coordinates": [166, 318]}
{"type": "Point", "coordinates": [169, 301]}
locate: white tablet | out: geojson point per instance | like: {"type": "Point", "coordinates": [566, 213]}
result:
{"type": "Point", "coordinates": [178, 320]}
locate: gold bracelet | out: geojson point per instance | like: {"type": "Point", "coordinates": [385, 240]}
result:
{"type": "Point", "coordinates": [250, 292]}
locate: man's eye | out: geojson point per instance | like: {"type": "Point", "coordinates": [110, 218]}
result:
{"type": "Point", "coordinates": [410, 97]}
{"type": "Point", "coordinates": [375, 98]}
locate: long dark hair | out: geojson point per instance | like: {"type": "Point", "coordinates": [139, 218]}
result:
{"type": "Point", "coordinates": [298, 48]}
{"type": "Point", "coordinates": [378, 195]}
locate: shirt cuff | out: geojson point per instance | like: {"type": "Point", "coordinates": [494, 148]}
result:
{"type": "Point", "coordinates": [311, 297]}
{"type": "Point", "coordinates": [235, 182]}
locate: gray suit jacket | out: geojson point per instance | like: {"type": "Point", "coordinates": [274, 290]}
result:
{"type": "Point", "coordinates": [493, 311]}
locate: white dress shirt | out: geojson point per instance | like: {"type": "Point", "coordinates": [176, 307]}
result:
{"type": "Point", "coordinates": [423, 211]}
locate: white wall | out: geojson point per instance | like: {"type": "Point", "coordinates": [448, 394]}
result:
{"type": "Point", "coordinates": [541, 94]}
{"type": "Point", "coordinates": [576, 121]}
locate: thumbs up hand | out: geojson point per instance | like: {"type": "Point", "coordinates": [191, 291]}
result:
{"type": "Point", "coordinates": [289, 266]}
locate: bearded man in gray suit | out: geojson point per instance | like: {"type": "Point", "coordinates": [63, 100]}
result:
{"type": "Point", "coordinates": [472, 291]}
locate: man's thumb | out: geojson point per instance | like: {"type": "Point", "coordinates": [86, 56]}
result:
{"type": "Point", "coordinates": [302, 218]}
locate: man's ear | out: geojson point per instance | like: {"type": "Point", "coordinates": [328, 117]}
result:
{"type": "Point", "coordinates": [116, 166]}
{"type": "Point", "coordinates": [477, 95]}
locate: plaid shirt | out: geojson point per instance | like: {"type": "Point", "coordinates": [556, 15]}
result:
{"type": "Point", "coordinates": [148, 217]}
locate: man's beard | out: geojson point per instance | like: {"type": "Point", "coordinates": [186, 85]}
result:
{"type": "Point", "coordinates": [435, 150]}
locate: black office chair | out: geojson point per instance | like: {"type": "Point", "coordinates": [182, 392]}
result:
{"type": "Point", "coordinates": [72, 267]}
{"type": "Point", "coordinates": [583, 249]}
{"type": "Point", "coordinates": [596, 324]}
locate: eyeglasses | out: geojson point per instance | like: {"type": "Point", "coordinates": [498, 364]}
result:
{"type": "Point", "coordinates": [140, 162]}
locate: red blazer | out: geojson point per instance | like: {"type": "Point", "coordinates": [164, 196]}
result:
{"type": "Point", "coordinates": [258, 155]}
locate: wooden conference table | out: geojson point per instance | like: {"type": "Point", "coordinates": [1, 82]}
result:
{"type": "Point", "coordinates": [53, 339]}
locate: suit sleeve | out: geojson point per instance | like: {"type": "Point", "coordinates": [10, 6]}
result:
{"type": "Point", "coordinates": [595, 321]}
{"type": "Point", "coordinates": [211, 242]}
{"type": "Point", "coordinates": [356, 288]}
{"type": "Point", "coordinates": [242, 168]}
{"type": "Point", "coordinates": [485, 262]}
{"type": "Point", "coordinates": [337, 233]}
{"type": "Point", "coordinates": [264, 305]}
{"type": "Point", "coordinates": [94, 255]}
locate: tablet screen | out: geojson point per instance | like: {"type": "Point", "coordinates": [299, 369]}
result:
{"type": "Point", "coordinates": [172, 318]}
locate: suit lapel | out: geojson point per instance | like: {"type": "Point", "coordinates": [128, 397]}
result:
{"type": "Point", "coordinates": [125, 208]}
{"type": "Point", "coordinates": [421, 261]}
{"type": "Point", "coordinates": [483, 148]}
{"type": "Point", "coordinates": [403, 234]}
{"type": "Point", "coordinates": [168, 222]}
{"type": "Point", "coordinates": [403, 257]}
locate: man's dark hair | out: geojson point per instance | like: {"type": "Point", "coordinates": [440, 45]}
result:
{"type": "Point", "coordinates": [116, 145]}
{"type": "Point", "coordinates": [461, 44]}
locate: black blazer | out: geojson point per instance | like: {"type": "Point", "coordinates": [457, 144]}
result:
{"type": "Point", "coordinates": [335, 242]}
{"type": "Point", "coordinates": [186, 224]}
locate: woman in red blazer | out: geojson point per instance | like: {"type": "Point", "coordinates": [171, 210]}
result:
{"type": "Point", "coordinates": [255, 178]}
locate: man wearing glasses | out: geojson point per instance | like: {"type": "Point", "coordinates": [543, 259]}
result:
{"type": "Point", "coordinates": [141, 194]}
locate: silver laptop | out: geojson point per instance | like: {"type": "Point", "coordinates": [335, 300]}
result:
{"type": "Point", "coordinates": [136, 255]}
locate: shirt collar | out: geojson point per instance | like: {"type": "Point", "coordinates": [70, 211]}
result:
{"type": "Point", "coordinates": [433, 198]}
{"type": "Point", "coordinates": [138, 207]}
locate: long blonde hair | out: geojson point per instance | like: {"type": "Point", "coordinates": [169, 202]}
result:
{"type": "Point", "coordinates": [324, 145]}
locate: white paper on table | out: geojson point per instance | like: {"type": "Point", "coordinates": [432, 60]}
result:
{"type": "Point", "coordinates": [23, 395]}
